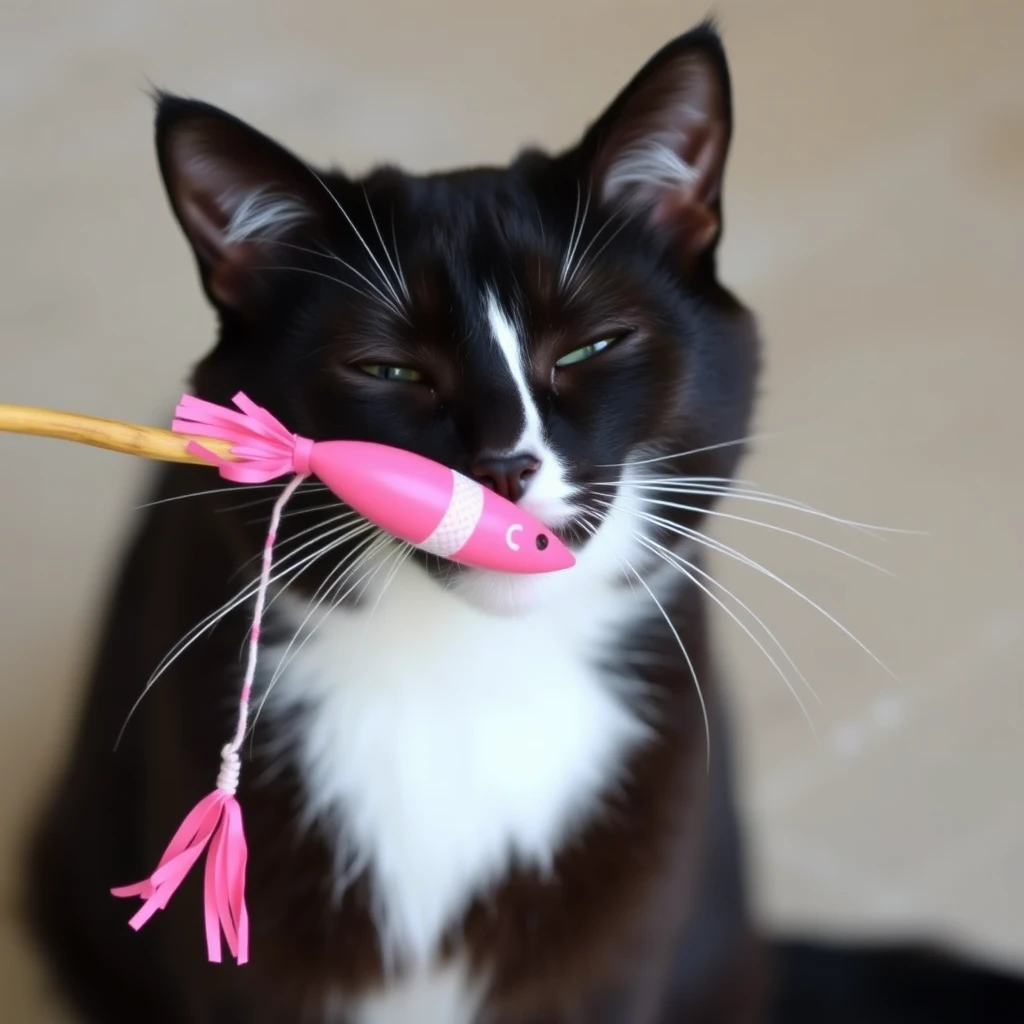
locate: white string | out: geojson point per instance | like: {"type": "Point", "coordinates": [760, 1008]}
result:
{"type": "Point", "coordinates": [230, 764]}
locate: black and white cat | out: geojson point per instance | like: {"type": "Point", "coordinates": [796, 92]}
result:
{"type": "Point", "coordinates": [471, 798]}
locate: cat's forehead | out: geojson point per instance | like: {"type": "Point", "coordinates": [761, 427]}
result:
{"type": "Point", "coordinates": [535, 243]}
{"type": "Point", "coordinates": [464, 235]}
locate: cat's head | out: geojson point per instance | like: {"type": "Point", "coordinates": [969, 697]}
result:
{"type": "Point", "coordinates": [554, 328]}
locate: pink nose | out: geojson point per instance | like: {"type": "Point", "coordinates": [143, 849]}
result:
{"type": "Point", "coordinates": [508, 477]}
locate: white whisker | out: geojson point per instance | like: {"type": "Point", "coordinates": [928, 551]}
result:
{"type": "Point", "coordinates": [682, 565]}
{"type": "Point", "coordinates": [574, 238]}
{"type": "Point", "coordinates": [216, 616]}
{"type": "Point", "coordinates": [682, 455]}
{"type": "Point", "coordinates": [336, 505]}
{"type": "Point", "coordinates": [398, 258]}
{"type": "Point", "coordinates": [378, 297]}
{"type": "Point", "coordinates": [581, 265]}
{"type": "Point", "coordinates": [383, 244]}
{"type": "Point", "coordinates": [630, 573]}
{"type": "Point", "coordinates": [342, 570]}
{"type": "Point", "coordinates": [716, 545]}
{"type": "Point", "coordinates": [337, 522]}
{"type": "Point", "coordinates": [681, 485]}
{"type": "Point", "coordinates": [686, 655]}
{"type": "Point", "coordinates": [330, 585]}
{"type": "Point", "coordinates": [238, 488]}
{"type": "Point", "coordinates": [572, 234]}
{"type": "Point", "coordinates": [351, 224]}
{"type": "Point", "coordinates": [326, 254]}
{"type": "Point", "coordinates": [661, 503]}
{"type": "Point", "coordinates": [404, 551]}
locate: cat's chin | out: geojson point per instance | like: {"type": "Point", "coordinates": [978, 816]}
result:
{"type": "Point", "coordinates": [499, 593]}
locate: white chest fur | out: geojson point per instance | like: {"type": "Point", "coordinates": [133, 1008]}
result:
{"type": "Point", "coordinates": [443, 995]}
{"type": "Point", "coordinates": [451, 742]}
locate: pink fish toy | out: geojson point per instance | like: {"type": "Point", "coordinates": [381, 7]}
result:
{"type": "Point", "coordinates": [419, 501]}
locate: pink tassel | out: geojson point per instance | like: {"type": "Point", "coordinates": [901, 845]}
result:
{"type": "Point", "coordinates": [215, 821]}
{"type": "Point", "coordinates": [263, 448]}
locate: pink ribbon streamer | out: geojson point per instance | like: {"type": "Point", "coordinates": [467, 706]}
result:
{"type": "Point", "coordinates": [215, 821]}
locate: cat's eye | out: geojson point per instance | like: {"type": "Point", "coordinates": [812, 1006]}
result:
{"type": "Point", "coordinates": [399, 373]}
{"type": "Point", "coordinates": [580, 355]}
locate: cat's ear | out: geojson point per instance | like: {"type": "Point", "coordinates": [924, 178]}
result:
{"type": "Point", "coordinates": [236, 193]}
{"type": "Point", "coordinates": [660, 150]}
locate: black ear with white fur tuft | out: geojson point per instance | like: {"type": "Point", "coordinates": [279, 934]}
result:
{"type": "Point", "coordinates": [660, 149]}
{"type": "Point", "coordinates": [236, 194]}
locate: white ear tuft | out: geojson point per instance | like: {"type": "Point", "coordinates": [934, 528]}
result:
{"type": "Point", "coordinates": [261, 214]}
{"type": "Point", "coordinates": [646, 169]}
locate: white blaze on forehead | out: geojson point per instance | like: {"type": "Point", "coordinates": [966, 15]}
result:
{"type": "Point", "coordinates": [504, 333]}
{"type": "Point", "coordinates": [548, 495]}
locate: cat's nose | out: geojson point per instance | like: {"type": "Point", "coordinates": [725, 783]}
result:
{"type": "Point", "coordinates": [509, 477]}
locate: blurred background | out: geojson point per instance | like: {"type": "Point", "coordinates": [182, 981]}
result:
{"type": "Point", "coordinates": [874, 219]}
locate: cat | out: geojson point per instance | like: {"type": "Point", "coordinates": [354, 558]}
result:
{"type": "Point", "coordinates": [470, 798]}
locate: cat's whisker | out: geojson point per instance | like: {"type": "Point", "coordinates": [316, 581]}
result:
{"type": "Point", "coordinates": [681, 455]}
{"type": "Point", "coordinates": [398, 258]}
{"type": "Point", "coordinates": [572, 233]}
{"type": "Point", "coordinates": [383, 244]}
{"type": "Point", "coordinates": [357, 557]}
{"type": "Point", "coordinates": [630, 572]}
{"type": "Point", "coordinates": [247, 591]}
{"type": "Point", "coordinates": [293, 571]}
{"type": "Point", "coordinates": [255, 503]}
{"type": "Point", "coordinates": [679, 563]}
{"type": "Point", "coordinates": [326, 254]}
{"type": "Point", "coordinates": [716, 545]}
{"type": "Point", "coordinates": [352, 561]}
{"type": "Point", "coordinates": [352, 534]}
{"type": "Point", "coordinates": [581, 261]}
{"type": "Point", "coordinates": [221, 490]}
{"type": "Point", "coordinates": [329, 528]}
{"type": "Point", "coordinates": [662, 503]}
{"type": "Point", "coordinates": [404, 551]}
{"type": "Point", "coordinates": [575, 238]}
{"type": "Point", "coordinates": [366, 578]}
{"type": "Point", "coordinates": [681, 485]}
{"type": "Point", "coordinates": [363, 242]}
{"type": "Point", "coordinates": [686, 655]}
{"type": "Point", "coordinates": [288, 568]}
{"type": "Point", "coordinates": [709, 481]}
{"type": "Point", "coordinates": [335, 506]}
{"type": "Point", "coordinates": [318, 508]}
{"type": "Point", "coordinates": [377, 294]}
{"type": "Point", "coordinates": [669, 553]}
{"type": "Point", "coordinates": [378, 297]}
{"type": "Point", "coordinates": [597, 234]}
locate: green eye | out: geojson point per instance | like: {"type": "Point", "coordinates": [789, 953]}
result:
{"type": "Point", "coordinates": [399, 373]}
{"type": "Point", "coordinates": [579, 355]}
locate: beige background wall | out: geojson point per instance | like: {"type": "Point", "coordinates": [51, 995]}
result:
{"type": "Point", "coordinates": [875, 219]}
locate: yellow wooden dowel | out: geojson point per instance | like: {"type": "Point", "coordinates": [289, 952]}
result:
{"type": "Point", "coordinates": [114, 435]}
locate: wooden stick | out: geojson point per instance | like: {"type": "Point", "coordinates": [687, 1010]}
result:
{"type": "Point", "coordinates": [114, 435]}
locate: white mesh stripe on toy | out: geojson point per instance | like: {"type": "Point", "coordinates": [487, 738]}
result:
{"type": "Point", "coordinates": [459, 520]}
